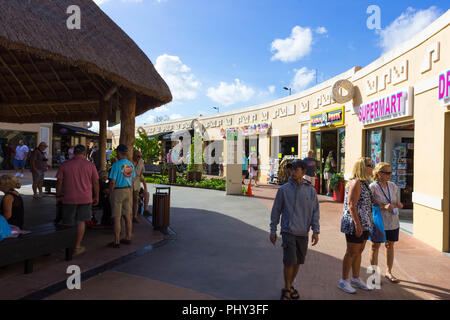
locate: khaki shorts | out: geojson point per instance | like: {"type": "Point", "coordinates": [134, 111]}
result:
{"type": "Point", "coordinates": [120, 200]}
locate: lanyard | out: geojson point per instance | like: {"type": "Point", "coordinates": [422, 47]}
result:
{"type": "Point", "coordinates": [387, 184]}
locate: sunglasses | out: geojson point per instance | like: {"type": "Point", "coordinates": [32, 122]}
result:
{"type": "Point", "coordinates": [370, 166]}
{"type": "Point", "coordinates": [386, 173]}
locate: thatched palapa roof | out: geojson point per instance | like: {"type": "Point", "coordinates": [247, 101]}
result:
{"type": "Point", "coordinates": [49, 73]}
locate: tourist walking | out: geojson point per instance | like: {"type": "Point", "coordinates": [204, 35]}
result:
{"type": "Point", "coordinates": [76, 180]}
{"type": "Point", "coordinates": [120, 184]}
{"type": "Point", "coordinates": [139, 166]}
{"type": "Point", "coordinates": [329, 169]}
{"type": "Point", "coordinates": [385, 196]}
{"type": "Point", "coordinates": [253, 162]}
{"type": "Point", "coordinates": [39, 166]}
{"type": "Point", "coordinates": [311, 168]}
{"type": "Point", "coordinates": [11, 206]}
{"type": "Point", "coordinates": [296, 201]}
{"type": "Point", "coordinates": [20, 158]}
{"type": "Point", "coordinates": [356, 222]}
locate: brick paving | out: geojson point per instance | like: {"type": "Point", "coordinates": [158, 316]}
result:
{"type": "Point", "coordinates": [424, 271]}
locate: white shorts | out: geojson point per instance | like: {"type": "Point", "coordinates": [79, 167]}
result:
{"type": "Point", "coordinates": [327, 175]}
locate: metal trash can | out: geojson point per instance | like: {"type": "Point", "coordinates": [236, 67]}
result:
{"type": "Point", "coordinates": [161, 207]}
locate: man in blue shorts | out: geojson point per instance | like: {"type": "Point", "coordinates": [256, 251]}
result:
{"type": "Point", "coordinates": [20, 158]}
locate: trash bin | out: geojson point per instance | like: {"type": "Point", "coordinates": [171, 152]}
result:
{"type": "Point", "coordinates": [161, 207]}
{"type": "Point", "coordinates": [172, 175]}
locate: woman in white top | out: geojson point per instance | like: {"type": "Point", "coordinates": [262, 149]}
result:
{"type": "Point", "coordinates": [253, 170]}
{"type": "Point", "coordinates": [385, 195]}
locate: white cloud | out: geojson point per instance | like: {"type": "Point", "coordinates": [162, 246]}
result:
{"type": "Point", "coordinates": [271, 89]}
{"type": "Point", "coordinates": [175, 116]}
{"type": "Point", "coordinates": [302, 79]}
{"type": "Point", "coordinates": [150, 119]}
{"type": "Point", "coordinates": [405, 26]}
{"type": "Point", "coordinates": [161, 109]}
{"type": "Point", "coordinates": [181, 81]}
{"type": "Point", "coordinates": [293, 48]}
{"type": "Point", "coordinates": [229, 94]}
{"type": "Point", "coordinates": [321, 30]}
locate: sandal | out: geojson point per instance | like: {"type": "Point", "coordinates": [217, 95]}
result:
{"type": "Point", "coordinates": [285, 294]}
{"type": "Point", "coordinates": [114, 245]}
{"type": "Point", "coordinates": [294, 294]}
{"type": "Point", "coordinates": [391, 278]}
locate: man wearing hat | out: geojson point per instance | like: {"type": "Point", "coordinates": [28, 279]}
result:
{"type": "Point", "coordinates": [121, 182]}
{"type": "Point", "coordinates": [297, 204]}
{"type": "Point", "coordinates": [39, 165]}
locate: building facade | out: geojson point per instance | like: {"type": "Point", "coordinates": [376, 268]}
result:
{"type": "Point", "coordinates": [396, 109]}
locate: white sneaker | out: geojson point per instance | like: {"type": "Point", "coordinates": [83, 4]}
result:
{"type": "Point", "coordinates": [359, 284]}
{"type": "Point", "coordinates": [346, 287]}
{"type": "Point", "coordinates": [21, 175]}
{"type": "Point", "coordinates": [17, 174]}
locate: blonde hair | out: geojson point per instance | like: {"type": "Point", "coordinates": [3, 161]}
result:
{"type": "Point", "coordinates": [10, 181]}
{"type": "Point", "coordinates": [379, 168]}
{"type": "Point", "coordinates": [359, 169]}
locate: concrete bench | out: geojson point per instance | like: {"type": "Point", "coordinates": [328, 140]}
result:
{"type": "Point", "coordinates": [43, 240]}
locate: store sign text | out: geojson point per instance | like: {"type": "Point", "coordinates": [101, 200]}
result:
{"type": "Point", "coordinates": [395, 105]}
{"type": "Point", "coordinates": [329, 118]}
{"type": "Point", "coordinates": [444, 88]}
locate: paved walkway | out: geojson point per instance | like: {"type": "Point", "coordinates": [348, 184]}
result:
{"type": "Point", "coordinates": [222, 251]}
{"type": "Point", "coordinates": [51, 270]}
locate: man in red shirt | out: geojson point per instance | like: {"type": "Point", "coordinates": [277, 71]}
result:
{"type": "Point", "coordinates": [76, 180]}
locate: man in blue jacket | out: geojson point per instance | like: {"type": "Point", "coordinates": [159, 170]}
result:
{"type": "Point", "coordinates": [297, 204]}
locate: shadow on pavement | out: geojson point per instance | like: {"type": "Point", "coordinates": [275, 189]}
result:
{"type": "Point", "coordinates": [223, 257]}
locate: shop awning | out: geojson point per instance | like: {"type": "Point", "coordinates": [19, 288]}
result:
{"type": "Point", "coordinates": [66, 129]}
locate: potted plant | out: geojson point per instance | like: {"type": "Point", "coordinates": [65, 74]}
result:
{"type": "Point", "coordinates": [337, 185]}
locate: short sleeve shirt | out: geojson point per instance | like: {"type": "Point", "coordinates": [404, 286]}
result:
{"type": "Point", "coordinates": [77, 175]}
{"type": "Point", "coordinates": [20, 152]}
{"type": "Point", "coordinates": [40, 160]}
{"type": "Point", "coordinates": [390, 220]}
{"type": "Point", "coordinates": [123, 173]}
{"type": "Point", "coordinates": [139, 171]}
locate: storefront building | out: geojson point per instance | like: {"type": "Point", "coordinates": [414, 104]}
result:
{"type": "Point", "coordinates": [66, 135]}
{"type": "Point", "coordinates": [396, 110]}
{"type": "Point", "coordinates": [32, 134]}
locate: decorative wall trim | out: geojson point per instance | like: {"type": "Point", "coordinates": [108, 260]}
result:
{"type": "Point", "coordinates": [426, 85]}
{"type": "Point", "coordinates": [427, 201]}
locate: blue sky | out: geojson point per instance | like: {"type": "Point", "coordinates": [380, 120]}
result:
{"type": "Point", "coordinates": [233, 54]}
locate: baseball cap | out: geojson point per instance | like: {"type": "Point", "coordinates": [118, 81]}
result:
{"type": "Point", "coordinates": [122, 148]}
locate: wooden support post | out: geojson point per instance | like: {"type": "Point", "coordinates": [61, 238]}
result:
{"type": "Point", "coordinates": [103, 111]}
{"type": "Point", "coordinates": [127, 121]}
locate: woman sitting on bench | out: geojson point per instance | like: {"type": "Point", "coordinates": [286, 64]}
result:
{"type": "Point", "coordinates": [12, 204]}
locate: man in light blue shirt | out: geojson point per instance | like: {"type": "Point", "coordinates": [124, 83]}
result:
{"type": "Point", "coordinates": [121, 181]}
